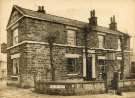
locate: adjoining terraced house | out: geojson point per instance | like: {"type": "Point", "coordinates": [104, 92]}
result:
{"type": "Point", "coordinates": [28, 54]}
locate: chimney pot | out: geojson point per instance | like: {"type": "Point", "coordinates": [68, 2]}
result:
{"type": "Point", "coordinates": [93, 13]}
{"type": "Point", "coordinates": [113, 24]}
{"type": "Point", "coordinates": [41, 9]}
{"type": "Point", "coordinates": [113, 18]}
{"type": "Point", "coordinates": [93, 18]}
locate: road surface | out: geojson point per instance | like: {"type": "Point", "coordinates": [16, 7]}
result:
{"type": "Point", "coordinates": [14, 92]}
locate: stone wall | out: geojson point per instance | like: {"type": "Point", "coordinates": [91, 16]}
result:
{"type": "Point", "coordinates": [111, 42]}
{"type": "Point", "coordinates": [93, 40]}
{"type": "Point", "coordinates": [37, 30]}
{"type": "Point", "coordinates": [36, 56]}
{"type": "Point", "coordinates": [10, 39]}
{"type": "Point", "coordinates": [127, 67]}
{"type": "Point", "coordinates": [70, 88]}
{"type": "Point", "coordinates": [80, 88]}
{"type": "Point", "coordinates": [3, 74]}
{"type": "Point", "coordinates": [35, 63]}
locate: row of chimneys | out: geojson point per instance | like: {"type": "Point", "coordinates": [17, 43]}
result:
{"type": "Point", "coordinates": [92, 19]}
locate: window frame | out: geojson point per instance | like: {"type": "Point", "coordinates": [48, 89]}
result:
{"type": "Point", "coordinates": [102, 65]}
{"type": "Point", "coordinates": [119, 44]}
{"type": "Point", "coordinates": [101, 43]}
{"type": "Point", "coordinates": [73, 38]}
{"type": "Point", "coordinates": [15, 61]}
{"type": "Point", "coordinates": [15, 36]}
{"type": "Point", "coordinates": [74, 70]}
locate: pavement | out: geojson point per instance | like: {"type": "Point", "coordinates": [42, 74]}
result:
{"type": "Point", "coordinates": [14, 92]}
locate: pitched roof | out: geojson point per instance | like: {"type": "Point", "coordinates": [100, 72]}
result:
{"type": "Point", "coordinates": [57, 19]}
{"type": "Point", "coordinates": [48, 17]}
{"type": "Point", "coordinates": [106, 30]}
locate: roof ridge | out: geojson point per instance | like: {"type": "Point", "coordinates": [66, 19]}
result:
{"type": "Point", "coordinates": [67, 18]}
{"type": "Point", "coordinates": [21, 8]}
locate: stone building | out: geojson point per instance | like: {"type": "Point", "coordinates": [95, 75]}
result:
{"type": "Point", "coordinates": [28, 52]}
{"type": "Point", "coordinates": [3, 68]}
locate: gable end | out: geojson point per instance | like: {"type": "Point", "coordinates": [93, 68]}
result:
{"type": "Point", "coordinates": [15, 16]}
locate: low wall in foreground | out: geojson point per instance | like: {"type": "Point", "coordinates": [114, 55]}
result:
{"type": "Point", "coordinates": [127, 85]}
{"type": "Point", "coordinates": [70, 88]}
{"type": "Point", "coordinates": [3, 83]}
{"type": "Point", "coordinates": [79, 88]}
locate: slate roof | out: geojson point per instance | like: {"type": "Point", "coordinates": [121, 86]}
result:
{"type": "Point", "coordinates": [62, 20]}
{"type": "Point", "coordinates": [48, 17]}
{"type": "Point", "coordinates": [107, 30]}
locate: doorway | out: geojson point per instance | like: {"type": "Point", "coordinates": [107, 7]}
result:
{"type": "Point", "coordinates": [89, 69]}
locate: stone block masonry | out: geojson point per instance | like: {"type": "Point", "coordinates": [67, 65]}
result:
{"type": "Point", "coordinates": [33, 54]}
{"type": "Point", "coordinates": [35, 63]}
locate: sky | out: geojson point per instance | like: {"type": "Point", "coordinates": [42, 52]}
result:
{"type": "Point", "coordinates": [124, 10]}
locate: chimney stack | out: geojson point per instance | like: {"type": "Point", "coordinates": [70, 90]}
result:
{"type": "Point", "coordinates": [93, 18]}
{"type": "Point", "coordinates": [41, 9]}
{"type": "Point", "coordinates": [113, 24]}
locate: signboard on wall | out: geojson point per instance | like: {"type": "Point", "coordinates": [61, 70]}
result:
{"type": "Point", "coordinates": [3, 48]}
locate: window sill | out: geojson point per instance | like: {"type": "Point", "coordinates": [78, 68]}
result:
{"type": "Point", "coordinates": [73, 74]}
{"type": "Point", "coordinates": [15, 77]}
{"type": "Point", "coordinates": [119, 50]}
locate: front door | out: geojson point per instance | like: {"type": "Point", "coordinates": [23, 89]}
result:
{"type": "Point", "coordinates": [89, 68]}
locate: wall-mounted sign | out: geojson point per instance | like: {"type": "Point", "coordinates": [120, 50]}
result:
{"type": "Point", "coordinates": [3, 48]}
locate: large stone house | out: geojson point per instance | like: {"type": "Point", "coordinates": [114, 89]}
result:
{"type": "Point", "coordinates": [28, 52]}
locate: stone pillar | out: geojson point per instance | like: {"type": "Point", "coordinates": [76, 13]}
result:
{"type": "Point", "coordinates": [93, 66]}
{"type": "Point", "coordinates": [84, 65]}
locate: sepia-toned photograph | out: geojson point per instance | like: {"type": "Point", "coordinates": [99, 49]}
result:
{"type": "Point", "coordinates": [67, 48]}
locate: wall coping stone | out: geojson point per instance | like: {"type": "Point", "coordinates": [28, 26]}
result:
{"type": "Point", "coordinates": [44, 43]}
{"type": "Point", "coordinates": [63, 45]}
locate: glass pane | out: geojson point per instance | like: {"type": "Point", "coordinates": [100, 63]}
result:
{"type": "Point", "coordinates": [119, 44]}
{"type": "Point", "coordinates": [101, 41]}
{"type": "Point", "coordinates": [71, 65]}
{"type": "Point", "coordinates": [15, 36]}
{"type": "Point", "coordinates": [71, 37]}
{"type": "Point", "coordinates": [15, 66]}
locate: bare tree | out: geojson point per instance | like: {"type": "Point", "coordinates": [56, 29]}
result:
{"type": "Point", "coordinates": [87, 30]}
{"type": "Point", "coordinates": [123, 47]}
{"type": "Point", "coordinates": [51, 38]}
